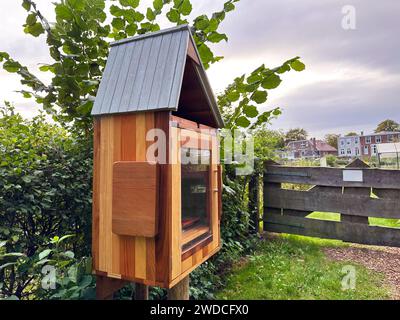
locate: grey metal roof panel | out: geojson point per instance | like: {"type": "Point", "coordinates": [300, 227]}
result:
{"type": "Point", "coordinates": [145, 73]}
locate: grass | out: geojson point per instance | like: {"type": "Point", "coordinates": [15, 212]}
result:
{"type": "Point", "coordinates": [293, 267]}
{"type": "Point", "coordinates": [392, 223]}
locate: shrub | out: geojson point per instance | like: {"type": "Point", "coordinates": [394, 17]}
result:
{"type": "Point", "coordinates": [45, 191]}
{"type": "Point", "coordinates": [236, 237]}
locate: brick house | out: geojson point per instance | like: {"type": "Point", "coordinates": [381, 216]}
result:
{"type": "Point", "coordinates": [364, 145]}
{"type": "Point", "coordinates": [312, 148]}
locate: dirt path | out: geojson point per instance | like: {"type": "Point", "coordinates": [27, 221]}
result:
{"type": "Point", "coordinates": [385, 260]}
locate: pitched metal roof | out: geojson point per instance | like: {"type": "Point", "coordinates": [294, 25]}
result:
{"type": "Point", "coordinates": [145, 73]}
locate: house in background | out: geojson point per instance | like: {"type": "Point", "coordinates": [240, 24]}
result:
{"type": "Point", "coordinates": [364, 145]}
{"type": "Point", "coordinates": [312, 148]}
{"type": "Point", "coordinates": [349, 146]}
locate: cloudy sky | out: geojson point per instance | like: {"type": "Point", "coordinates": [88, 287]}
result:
{"type": "Point", "coordinates": [351, 83]}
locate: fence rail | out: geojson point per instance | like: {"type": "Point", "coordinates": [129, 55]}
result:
{"type": "Point", "coordinates": [356, 192]}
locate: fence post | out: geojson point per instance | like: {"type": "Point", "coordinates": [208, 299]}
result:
{"type": "Point", "coordinates": [141, 291]}
{"type": "Point", "coordinates": [180, 291]}
{"type": "Point", "coordinates": [255, 197]}
{"type": "Point", "coordinates": [105, 287]}
{"type": "Point", "coordinates": [357, 163]}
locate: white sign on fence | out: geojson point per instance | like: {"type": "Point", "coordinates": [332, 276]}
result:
{"type": "Point", "coordinates": [353, 175]}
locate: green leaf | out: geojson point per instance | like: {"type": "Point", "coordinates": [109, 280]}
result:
{"type": "Point", "coordinates": [69, 254]}
{"type": "Point", "coordinates": [3, 243]}
{"type": "Point", "coordinates": [229, 6]}
{"type": "Point", "coordinates": [173, 15]}
{"type": "Point", "coordinates": [297, 65]}
{"type": "Point", "coordinates": [118, 23]}
{"type": "Point", "coordinates": [4, 55]}
{"type": "Point", "coordinates": [64, 13]}
{"type": "Point", "coordinates": [26, 94]}
{"type": "Point", "coordinates": [55, 239]}
{"type": "Point", "coordinates": [64, 237]}
{"type": "Point", "coordinates": [77, 5]}
{"type": "Point", "coordinates": [233, 96]}
{"type": "Point", "coordinates": [36, 30]}
{"type": "Point", "coordinates": [254, 78]}
{"type": "Point", "coordinates": [9, 264]}
{"type": "Point", "coordinates": [85, 108]}
{"type": "Point", "coordinates": [43, 261]}
{"type": "Point", "coordinates": [45, 67]}
{"type": "Point", "coordinates": [13, 255]}
{"type": "Point", "coordinates": [284, 68]}
{"type": "Point", "coordinates": [242, 121]}
{"type": "Point", "coordinates": [26, 5]}
{"type": "Point", "coordinates": [216, 37]}
{"type": "Point", "coordinates": [250, 111]}
{"type": "Point", "coordinates": [213, 25]}
{"type": "Point", "coordinates": [129, 3]}
{"type": "Point", "coordinates": [259, 96]}
{"type": "Point", "coordinates": [31, 19]}
{"type": "Point", "coordinates": [276, 112]}
{"type": "Point", "coordinates": [11, 66]}
{"type": "Point", "coordinates": [138, 16]}
{"type": "Point", "coordinates": [44, 254]}
{"type": "Point", "coordinates": [185, 8]}
{"type": "Point", "coordinates": [158, 4]}
{"type": "Point", "coordinates": [150, 15]}
{"type": "Point", "coordinates": [201, 23]}
{"type": "Point", "coordinates": [131, 29]}
{"type": "Point", "coordinates": [26, 179]}
{"type": "Point", "coordinates": [205, 53]}
{"type": "Point", "coordinates": [264, 117]}
{"type": "Point", "coordinates": [271, 81]}
{"type": "Point", "coordinates": [86, 281]}
{"type": "Point", "coordinates": [116, 11]}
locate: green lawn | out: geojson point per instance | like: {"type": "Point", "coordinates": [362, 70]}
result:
{"type": "Point", "coordinates": [294, 267]}
{"type": "Point", "coordinates": [393, 223]}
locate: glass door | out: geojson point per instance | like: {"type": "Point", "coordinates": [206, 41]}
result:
{"type": "Point", "coordinates": [195, 195]}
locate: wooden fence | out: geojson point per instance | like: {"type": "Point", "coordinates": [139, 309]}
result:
{"type": "Point", "coordinates": [356, 192]}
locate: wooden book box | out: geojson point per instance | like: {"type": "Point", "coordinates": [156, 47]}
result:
{"type": "Point", "coordinates": [156, 215]}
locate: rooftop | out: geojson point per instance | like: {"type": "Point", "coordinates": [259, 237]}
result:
{"type": "Point", "coordinates": [146, 73]}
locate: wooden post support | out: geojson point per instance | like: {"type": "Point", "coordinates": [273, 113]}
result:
{"type": "Point", "coordinates": [141, 291]}
{"type": "Point", "coordinates": [254, 197]}
{"type": "Point", "coordinates": [357, 163]}
{"type": "Point", "coordinates": [105, 287]}
{"type": "Point", "coordinates": [180, 291]}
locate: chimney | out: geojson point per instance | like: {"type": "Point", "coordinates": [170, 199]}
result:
{"type": "Point", "coordinates": [313, 140]}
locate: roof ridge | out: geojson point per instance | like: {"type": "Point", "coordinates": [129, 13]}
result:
{"type": "Point", "coordinates": [151, 34]}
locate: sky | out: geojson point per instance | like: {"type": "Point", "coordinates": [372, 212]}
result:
{"type": "Point", "coordinates": [352, 76]}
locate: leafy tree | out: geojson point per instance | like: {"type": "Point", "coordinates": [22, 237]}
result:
{"type": "Point", "coordinates": [332, 139]}
{"type": "Point", "coordinates": [351, 134]}
{"type": "Point", "coordinates": [296, 134]}
{"type": "Point", "coordinates": [387, 125]}
{"type": "Point", "coordinates": [266, 142]}
{"type": "Point", "coordinates": [78, 44]}
{"type": "Point", "coordinates": [239, 102]}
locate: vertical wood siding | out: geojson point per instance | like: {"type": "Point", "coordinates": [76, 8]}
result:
{"type": "Point", "coordinates": [153, 261]}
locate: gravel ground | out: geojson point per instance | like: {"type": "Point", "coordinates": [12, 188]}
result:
{"type": "Point", "coordinates": [385, 260]}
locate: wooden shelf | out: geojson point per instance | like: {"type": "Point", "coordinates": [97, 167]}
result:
{"type": "Point", "coordinates": [193, 233]}
{"type": "Point", "coordinates": [189, 222]}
